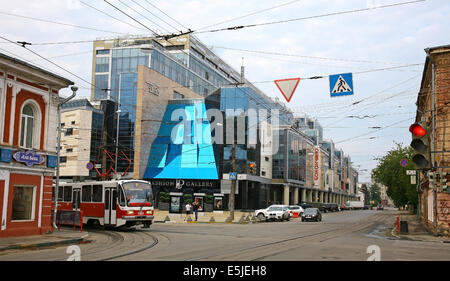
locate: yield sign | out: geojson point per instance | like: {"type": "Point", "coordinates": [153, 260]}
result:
{"type": "Point", "coordinates": [287, 87]}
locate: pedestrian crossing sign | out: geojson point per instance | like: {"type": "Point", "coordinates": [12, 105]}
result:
{"type": "Point", "coordinates": [341, 85]}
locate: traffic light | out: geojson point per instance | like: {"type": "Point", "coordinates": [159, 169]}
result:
{"type": "Point", "coordinates": [252, 167]}
{"type": "Point", "coordinates": [431, 179]}
{"type": "Point", "coordinates": [421, 145]}
{"type": "Point", "coordinates": [443, 180]}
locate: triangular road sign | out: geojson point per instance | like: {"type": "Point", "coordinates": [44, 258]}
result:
{"type": "Point", "coordinates": [287, 87]}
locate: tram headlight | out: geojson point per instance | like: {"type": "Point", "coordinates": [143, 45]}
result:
{"type": "Point", "coordinates": [148, 212]}
{"type": "Point", "coordinates": [130, 212]}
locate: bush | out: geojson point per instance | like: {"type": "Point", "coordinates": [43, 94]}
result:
{"type": "Point", "coordinates": [164, 197]}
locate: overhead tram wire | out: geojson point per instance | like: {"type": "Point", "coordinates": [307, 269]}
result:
{"type": "Point", "coordinates": [134, 10]}
{"type": "Point", "coordinates": [249, 14]}
{"type": "Point", "coordinates": [61, 23]}
{"type": "Point", "coordinates": [182, 25]}
{"type": "Point", "coordinates": [51, 62]}
{"type": "Point", "coordinates": [146, 27]}
{"type": "Point", "coordinates": [154, 15]}
{"type": "Point", "coordinates": [309, 17]}
{"type": "Point", "coordinates": [119, 20]}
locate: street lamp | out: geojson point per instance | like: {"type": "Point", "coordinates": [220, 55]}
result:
{"type": "Point", "coordinates": [61, 102]}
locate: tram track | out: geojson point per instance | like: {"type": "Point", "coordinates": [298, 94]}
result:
{"type": "Point", "coordinates": [266, 250]}
{"type": "Point", "coordinates": [118, 244]}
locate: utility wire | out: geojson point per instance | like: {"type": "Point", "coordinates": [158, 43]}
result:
{"type": "Point", "coordinates": [165, 14]}
{"type": "Point", "coordinates": [61, 23]}
{"type": "Point", "coordinates": [154, 15]}
{"type": "Point", "coordinates": [310, 17]}
{"type": "Point", "coordinates": [250, 14]}
{"type": "Point", "coordinates": [119, 20]}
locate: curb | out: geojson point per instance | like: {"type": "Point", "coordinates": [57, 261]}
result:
{"type": "Point", "coordinates": [45, 244]}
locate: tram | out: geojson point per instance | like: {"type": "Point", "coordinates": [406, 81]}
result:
{"type": "Point", "coordinates": [117, 203]}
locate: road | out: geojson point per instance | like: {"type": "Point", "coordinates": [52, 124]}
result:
{"type": "Point", "coordinates": [340, 236]}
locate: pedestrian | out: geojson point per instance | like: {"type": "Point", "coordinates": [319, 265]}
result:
{"type": "Point", "coordinates": [188, 210]}
{"type": "Point", "coordinates": [195, 207]}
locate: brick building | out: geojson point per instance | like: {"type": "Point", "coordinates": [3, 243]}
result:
{"type": "Point", "coordinates": [28, 127]}
{"type": "Point", "coordinates": [433, 107]}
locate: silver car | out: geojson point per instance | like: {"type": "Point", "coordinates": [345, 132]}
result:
{"type": "Point", "coordinates": [280, 213]}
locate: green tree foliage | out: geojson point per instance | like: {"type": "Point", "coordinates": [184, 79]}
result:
{"type": "Point", "coordinates": [390, 173]}
{"type": "Point", "coordinates": [375, 193]}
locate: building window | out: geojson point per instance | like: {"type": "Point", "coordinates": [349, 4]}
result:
{"type": "Point", "coordinates": [69, 132]}
{"type": "Point", "coordinates": [63, 159]}
{"type": "Point", "coordinates": [73, 122]}
{"type": "Point", "coordinates": [103, 52]}
{"type": "Point", "coordinates": [69, 150]}
{"type": "Point", "coordinates": [26, 131]}
{"type": "Point", "coordinates": [22, 205]}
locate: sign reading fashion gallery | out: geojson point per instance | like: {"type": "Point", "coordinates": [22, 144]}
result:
{"type": "Point", "coordinates": [180, 184]}
{"type": "Point", "coordinates": [30, 158]}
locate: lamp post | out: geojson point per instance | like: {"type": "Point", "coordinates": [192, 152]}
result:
{"type": "Point", "coordinates": [58, 149]}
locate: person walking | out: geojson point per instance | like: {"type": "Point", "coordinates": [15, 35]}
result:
{"type": "Point", "coordinates": [195, 207]}
{"type": "Point", "coordinates": [188, 210]}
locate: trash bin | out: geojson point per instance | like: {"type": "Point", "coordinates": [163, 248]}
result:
{"type": "Point", "coordinates": [404, 227]}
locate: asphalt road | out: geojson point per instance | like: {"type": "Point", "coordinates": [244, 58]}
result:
{"type": "Point", "coordinates": [340, 236]}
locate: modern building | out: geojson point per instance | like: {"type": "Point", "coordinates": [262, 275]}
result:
{"type": "Point", "coordinates": [28, 128]}
{"type": "Point", "coordinates": [433, 109]}
{"type": "Point", "coordinates": [81, 140]}
{"type": "Point", "coordinates": [151, 81]}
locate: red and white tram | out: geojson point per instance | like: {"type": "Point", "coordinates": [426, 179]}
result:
{"type": "Point", "coordinates": [119, 203]}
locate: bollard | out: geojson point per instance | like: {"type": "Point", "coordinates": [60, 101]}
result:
{"type": "Point", "coordinates": [212, 220]}
{"type": "Point", "coordinates": [189, 219]}
{"type": "Point", "coordinates": [167, 219]}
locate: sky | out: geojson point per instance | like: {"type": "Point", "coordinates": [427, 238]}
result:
{"type": "Point", "coordinates": [382, 47]}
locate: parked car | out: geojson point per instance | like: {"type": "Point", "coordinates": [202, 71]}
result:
{"type": "Point", "coordinates": [312, 214]}
{"type": "Point", "coordinates": [380, 207]}
{"type": "Point", "coordinates": [305, 205]}
{"type": "Point", "coordinates": [279, 212]}
{"type": "Point", "coordinates": [346, 207]}
{"type": "Point", "coordinates": [295, 209]}
{"type": "Point", "coordinates": [261, 213]}
{"type": "Point", "coordinates": [334, 207]}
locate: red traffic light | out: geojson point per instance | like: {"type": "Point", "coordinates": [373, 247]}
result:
{"type": "Point", "coordinates": [252, 165]}
{"type": "Point", "coordinates": [417, 130]}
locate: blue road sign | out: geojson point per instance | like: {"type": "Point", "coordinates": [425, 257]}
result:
{"type": "Point", "coordinates": [232, 176]}
{"type": "Point", "coordinates": [404, 162]}
{"type": "Point", "coordinates": [89, 166]}
{"type": "Point", "coordinates": [341, 85]}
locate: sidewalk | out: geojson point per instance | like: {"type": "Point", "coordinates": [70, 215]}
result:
{"type": "Point", "coordinates": [203, 217]}
{"type": "Point", "coordinates": [417, 231]}
{"type": "Point", "coordinates": [64, 236]}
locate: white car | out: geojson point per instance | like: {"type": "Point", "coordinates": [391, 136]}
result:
{"type": "Point", "coordinates": [295, 209]}
{"type": "Point", "coordinates": [261, 213]}
{"type": "Point", "coordinates": [278, 212]}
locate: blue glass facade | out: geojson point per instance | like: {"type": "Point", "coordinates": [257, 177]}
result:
{"type": "Point", "coordinates": [183, 148]}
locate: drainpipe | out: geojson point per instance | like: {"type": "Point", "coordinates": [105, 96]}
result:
{"type": "Point", "coordinates": [61, 102]}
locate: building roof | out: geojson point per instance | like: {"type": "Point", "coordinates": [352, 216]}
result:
{"type": "Point", "coordinates": [33, 67]}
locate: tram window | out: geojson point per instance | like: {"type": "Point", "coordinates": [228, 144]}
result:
{"type": "Point", "coordinates": [121, 198]}
{"type": "Point", "coordinates": [114, 200]}
{"type": "Point", "coordinates": [97, 193]}
{"type": "Point", "coordinates": [67, 194]}
{"type": "Point", "coordinates": [87, 193]}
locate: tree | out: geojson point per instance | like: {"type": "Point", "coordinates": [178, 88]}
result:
{"type": "Point", "coordinates": [390, 173]}
{"type": "Point", "coordinates": [375, 193]}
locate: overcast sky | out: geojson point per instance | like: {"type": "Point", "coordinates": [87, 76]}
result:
{"type": "Point", "coordinates": [356, 42]}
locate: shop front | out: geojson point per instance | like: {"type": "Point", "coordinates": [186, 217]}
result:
{"type": "Point", "coordinates": [174, 194]}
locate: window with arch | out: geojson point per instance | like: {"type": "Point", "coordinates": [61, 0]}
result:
{"type": "Point", "coordinates": [27, 126]}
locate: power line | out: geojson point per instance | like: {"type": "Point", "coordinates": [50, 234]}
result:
{"type": "Point", "coordinates": [154, 15]}
{"type": "Point", "coordinates": [310, 17]}
{"type": "Point", "coordinates": [249, 14]}
{"type": "Point", "coordinates": [165, 14]}
{"type": "Point", "coordinates": [146, 27]}
{"type": "Point", "coordinates": [119, 20]}
{"type": "Point", "coordinates": [61, 23]}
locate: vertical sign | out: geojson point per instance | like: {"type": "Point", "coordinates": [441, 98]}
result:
{"type": "Point", "coordinates": [316, 170]}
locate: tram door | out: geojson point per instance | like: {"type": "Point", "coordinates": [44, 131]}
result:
{"type": "Point", "coordinates": [110, 205]}
{"type": "Point", "coordinates": [76, 198]}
